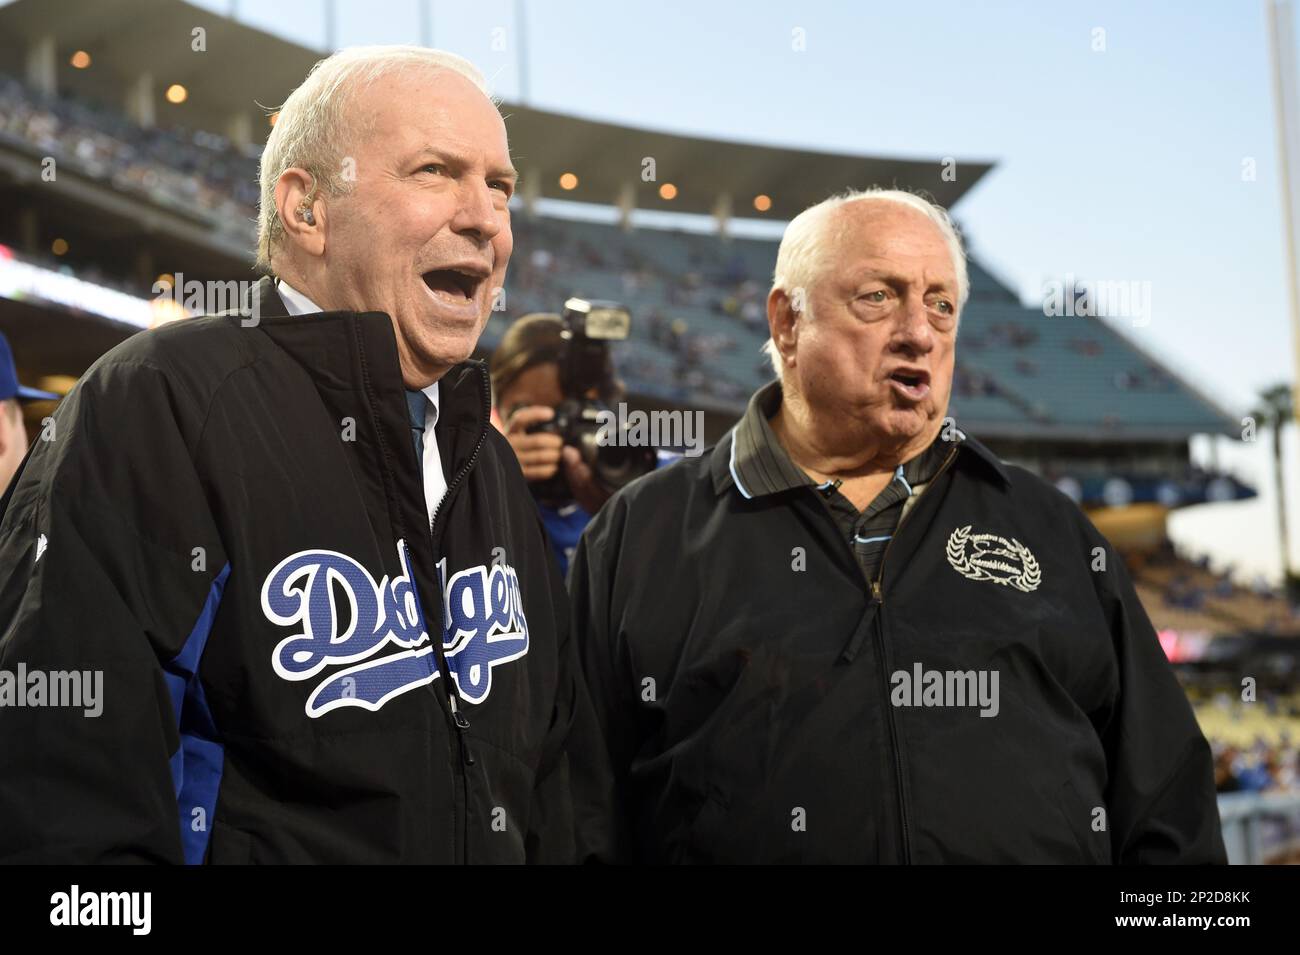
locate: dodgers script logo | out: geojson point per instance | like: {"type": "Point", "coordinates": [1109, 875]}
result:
{"type": "Point", "coordinates": [483, 627]}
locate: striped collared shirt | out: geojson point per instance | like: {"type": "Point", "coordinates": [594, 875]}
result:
{"type": "Point", "coordinates": [760, 465]}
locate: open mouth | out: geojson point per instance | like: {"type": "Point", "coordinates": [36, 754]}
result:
{"type": "Point", "coordinates": [912, 383]}
{"type": "Point", "coordinates": [457, 284]}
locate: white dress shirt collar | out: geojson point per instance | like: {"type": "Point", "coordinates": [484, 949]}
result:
{"type": "Point", "coordinates": [435, 482]}
{"type": "Point", "coordinates": [295, 301]}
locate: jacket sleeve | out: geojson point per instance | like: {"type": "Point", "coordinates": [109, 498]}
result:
{"type": "Point", "coordinates": [112, 571]}
{"type": "Point", "coordinates": [572, 812]}
{"type": "Point", "coordinates": [1160, 796]}
{"type": "Point", "coordinates": [597, 636]}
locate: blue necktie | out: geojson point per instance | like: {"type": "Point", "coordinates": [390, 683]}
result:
{"type": "Point", "coordinates": [416, 402]}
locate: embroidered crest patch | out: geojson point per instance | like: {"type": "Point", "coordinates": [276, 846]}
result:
{"type": "Point", "coordinates": [992, 557]}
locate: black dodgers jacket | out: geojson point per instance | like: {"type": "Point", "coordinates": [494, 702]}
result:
{"type": "Point", "coordinates": [228, 523]}
{"type": "Point", "coordinates": [996, 695]}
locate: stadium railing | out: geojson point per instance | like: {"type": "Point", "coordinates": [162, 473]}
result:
{"type": "Point", "coordinates": [1261, 828]}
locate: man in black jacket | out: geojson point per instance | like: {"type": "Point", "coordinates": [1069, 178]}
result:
{"type": "Point", "coordinates": [304, 567]}
{"type": "Point", "coordinates": [848, 633]}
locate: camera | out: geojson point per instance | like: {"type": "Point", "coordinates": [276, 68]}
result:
{"type": "Point", "coordinates": [586, 367]}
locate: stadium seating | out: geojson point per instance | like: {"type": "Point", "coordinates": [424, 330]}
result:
{"type": "Point", "coordinates": [698, 301]}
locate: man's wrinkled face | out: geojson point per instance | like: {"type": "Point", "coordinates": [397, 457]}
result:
{"type": "Point", "coordinates": [877, 351]}
{"type": "Point", "coordinates": [424, 235]}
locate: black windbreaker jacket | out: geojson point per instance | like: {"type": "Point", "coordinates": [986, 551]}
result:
{"type": "Point", "coordinates": [229, 523]}
{"type": "Point", "coordinates": [763, 702]}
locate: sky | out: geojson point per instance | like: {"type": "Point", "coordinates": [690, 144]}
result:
{"type": "Point", "coordinates": [1132, 141]}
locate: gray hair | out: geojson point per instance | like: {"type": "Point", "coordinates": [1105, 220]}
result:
{"type": "Point", "coordinates": [802, 254]}
{"type": "Point", "coordinates": [314, 122]}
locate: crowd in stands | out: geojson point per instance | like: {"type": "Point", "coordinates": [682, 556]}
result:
{"type": "Point", "coordinates": [1000, 335]}
{"type": "Point", "coordinates": [202, 173]}
{"type": "Point", "coordinates": [191, 171]}
{"type": "Point", "coordinates": [1256, 744]}
{"type": "Point", "coordinates": [968, 382]}
{"type": "Point", "coordinates": [562, 261]}
{"type": "Point", "coordinates": [1191, 590]}
{"type": "Point", "coordinates": [1257, 769]}
{"type": "Point", "coordinates": [699, 306]}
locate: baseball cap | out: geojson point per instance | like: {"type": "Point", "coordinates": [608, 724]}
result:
{"type": "Point", "coordinates": [9, 386]}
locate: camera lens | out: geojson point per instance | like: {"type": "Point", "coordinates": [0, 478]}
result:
{"type": "Point", "coordinates": [617, 465]}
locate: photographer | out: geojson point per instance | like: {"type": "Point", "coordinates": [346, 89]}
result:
{"type": "Point", "coordinates": [527, 388]}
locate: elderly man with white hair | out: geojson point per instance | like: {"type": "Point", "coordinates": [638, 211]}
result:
{"type": "Point", "coordinates": [288, 543]}
{"type": "Point", "coordinates": [849, 633]}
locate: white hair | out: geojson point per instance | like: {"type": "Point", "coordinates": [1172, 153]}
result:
{"type": "Point", "coordinates": [804, 246]}
{"type": "Point", "coordinates": [314, 123]}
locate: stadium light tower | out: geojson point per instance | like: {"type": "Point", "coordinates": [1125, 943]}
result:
{"type": "Point", "coordinates": [331, 25]}
{"type": "Point", "coordinates": [1281, 28]}
{"type": "Point", "coordinates": [426, 22]}
{"type": "Point", "coordinates": [521, 48]}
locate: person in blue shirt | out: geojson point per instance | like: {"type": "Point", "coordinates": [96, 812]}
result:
{"type": "Point", "coordinates": [525, 371]}
{"type": "Point", "coordinates": [13, 432]}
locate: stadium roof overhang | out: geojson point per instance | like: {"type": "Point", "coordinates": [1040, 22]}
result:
{"type": "Point", "coordinates": [128, 38]}
{"type": "Point", "coordinates": [608, 160]}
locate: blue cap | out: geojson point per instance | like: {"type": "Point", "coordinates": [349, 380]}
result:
{"type": "Point", "coordinates": [9, 386]}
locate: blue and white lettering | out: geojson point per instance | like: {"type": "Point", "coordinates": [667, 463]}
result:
{"type": "Point", "coordinates": [483, 627]}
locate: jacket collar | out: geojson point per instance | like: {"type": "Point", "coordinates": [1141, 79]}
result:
{"type": "Point", "coordinates": [759, 464]}
{"type": "Point", "coordinates": [346, 352]}
{"type": "Point", "coordinates": [269, 303]}
{"type": "Point", "coordinates": [314, 339]}
{"type": "Point", "coordinates": [978, 451]}
{"type": "Point", "coordinates": [723, 463]}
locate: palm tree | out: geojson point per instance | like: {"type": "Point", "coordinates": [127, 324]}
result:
{"type": "Point", "coordinates": [1275, 412]}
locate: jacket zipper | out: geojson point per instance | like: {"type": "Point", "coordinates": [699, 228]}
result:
{"type": "Point", "coordinates": [878, 597]}
{"type": "Point", "coordinates": [876, 585]}
{"type": "Point", "coordinates": [459, 720]}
